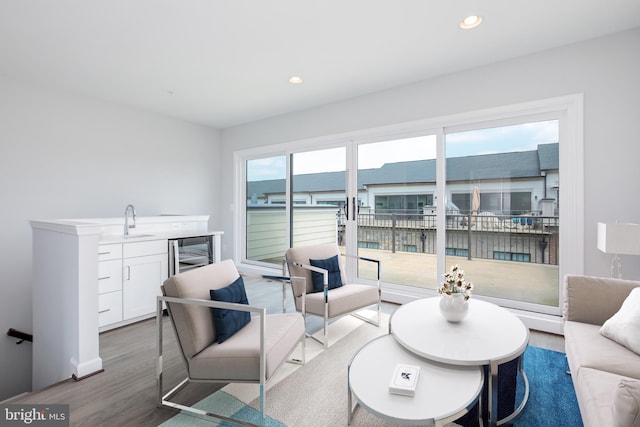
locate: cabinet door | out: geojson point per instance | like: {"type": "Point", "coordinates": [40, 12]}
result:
{"type": "Point", "coordinates": [141, 281]}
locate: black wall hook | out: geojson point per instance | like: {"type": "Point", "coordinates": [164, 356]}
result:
{"type": "Point", "coordinates": [22, 336]}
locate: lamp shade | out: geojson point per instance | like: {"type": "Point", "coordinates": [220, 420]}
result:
{"type": "Point", "coordinates": [621, 239]}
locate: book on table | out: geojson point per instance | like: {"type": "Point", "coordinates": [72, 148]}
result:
{"type": "Point", "coordinates": [404, 380]}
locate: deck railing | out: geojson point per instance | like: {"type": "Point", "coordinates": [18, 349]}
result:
{"type": "Point", "coordinates": [524, 238]}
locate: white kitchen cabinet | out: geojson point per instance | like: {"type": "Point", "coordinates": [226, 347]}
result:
{"type": "Point", "coordinates": [142, 278]}
{"type": "Point", "coordinates": [109, 251]}
{"type": "Point", "coordinates": [109, 286]}
{"type": "Point", "coordinates": [129, 278]}
{"type": "Point", "coordinates": [109, 276]}
{"type": "Point", "coordinates": [109, 308]}
{"type": "Point", "coordinates": [78, 287]}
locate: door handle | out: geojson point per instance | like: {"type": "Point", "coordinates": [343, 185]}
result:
{"type": "Point", "coordinates": [176, 257]}
{"type": "Point", "coordinates": [353, 207]}
{"type": "Point", "coordinates": [346, 209]}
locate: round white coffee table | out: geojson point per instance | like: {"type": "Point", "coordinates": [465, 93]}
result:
{"type": "Point", "coordinates": [443, 392]}
{"type": "Point", "coordinates": [489, 336]}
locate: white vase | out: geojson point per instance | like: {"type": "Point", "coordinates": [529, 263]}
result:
{"type": "Point", "coordinates": [454, 307]}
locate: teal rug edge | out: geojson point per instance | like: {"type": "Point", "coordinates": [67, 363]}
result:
{"type": "Point", "coordinates": [223, 404]}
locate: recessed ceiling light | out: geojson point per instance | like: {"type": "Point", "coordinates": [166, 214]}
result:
{"type": "Point", "coordinates": [470, 22]}
{"type": "Point", "coordinates": [295, 80]}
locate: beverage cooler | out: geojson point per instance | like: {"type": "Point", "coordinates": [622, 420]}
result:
{"type": "Point", "coordinates": [187, 253]}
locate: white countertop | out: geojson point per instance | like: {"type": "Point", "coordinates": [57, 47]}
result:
{"type": "Point", "coordinates": [142, 237]}
{"type": "Point", "coordinates": [110, 230]}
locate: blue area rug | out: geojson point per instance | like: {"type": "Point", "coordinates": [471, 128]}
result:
{"type": "Point", "coordinates": [552, 398]}
{"type": "Point", "coordinates": [224, 404]}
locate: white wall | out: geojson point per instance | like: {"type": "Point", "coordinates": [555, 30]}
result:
{"type": "Point", "coordinates": [65, 156]}
{"type": "Point", "coordinates": [605, 70]}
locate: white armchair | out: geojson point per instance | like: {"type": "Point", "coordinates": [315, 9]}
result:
{"type": "Point", "coordinates": [212, 353]}
{"type": "Point", "coordinates": [328, 294]}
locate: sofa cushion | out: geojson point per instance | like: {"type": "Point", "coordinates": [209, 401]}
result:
{"type": "Point", "coordinates": [626, 404]}
{"type": "Point", "coordinates": [227, 322]}
{"type": "Point", "coordinates": [596, 390]}
{"type": "Point", "coordinates": [585, 347]}
{"type": "Point", "coordinates": [594, 299]}
{"type": "Point", "coordinates": [624, 326]}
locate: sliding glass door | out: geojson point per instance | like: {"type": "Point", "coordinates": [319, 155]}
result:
{"type": "Point", "coordinates": [317, 196]}
{"type": "Point", "coordinates": [396, 219]}
{"type": "Point", "coordinates": [502, 218]}
{"type": "Point", "coordinates": [481, 194]}
{"type": "Point", "coordinates": [265, 214]}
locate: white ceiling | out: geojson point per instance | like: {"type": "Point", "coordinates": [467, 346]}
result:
{"type": "Point", "coordinates": [224, 63]}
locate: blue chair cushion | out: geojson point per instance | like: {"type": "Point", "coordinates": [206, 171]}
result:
{"type": "Point", "coordinates": [228, 322]}
{"type": "Point", "coordinates": [332, 265]}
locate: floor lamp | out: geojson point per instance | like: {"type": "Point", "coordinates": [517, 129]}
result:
{"type": "Point", "coordinates": [618, 239]}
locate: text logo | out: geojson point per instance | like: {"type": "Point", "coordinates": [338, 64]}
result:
{"type": "Point", "coordinates": [34, 415]}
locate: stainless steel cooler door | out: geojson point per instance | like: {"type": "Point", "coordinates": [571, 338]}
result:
{"type": "Point", "coordinates": [190, 252]}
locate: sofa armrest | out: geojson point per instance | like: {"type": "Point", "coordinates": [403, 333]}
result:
{"type": "Point", "coordinates": [626, 404]}
{"type": "Point", "coordinates": [593, 300]}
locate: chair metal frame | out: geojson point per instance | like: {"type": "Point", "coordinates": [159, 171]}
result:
{"type": "Point", "coordinates": [162, 400]}
{"type": "Point", "coordinates": [325, 273]}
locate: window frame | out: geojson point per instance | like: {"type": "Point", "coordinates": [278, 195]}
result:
{"type": "Point", "coordinates": [568, 109]}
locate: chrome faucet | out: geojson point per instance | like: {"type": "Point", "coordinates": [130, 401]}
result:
{"type": "Point", "coordinates": [126, 219]}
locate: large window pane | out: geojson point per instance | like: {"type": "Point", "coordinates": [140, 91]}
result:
{"type": "Point", "coordinates": [266, 227]}
{"type": "Point", "coordinates": [318, 193]}
{"type": "Point", "coordinates": [396, 219]}
{"type": "Point", "coordinates": [502, 223]}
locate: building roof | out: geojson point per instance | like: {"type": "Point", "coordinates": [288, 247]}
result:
{"type": "Point", "coordinates": [548, 156]}
{"type": "Point", "coordinates": [519, 164]}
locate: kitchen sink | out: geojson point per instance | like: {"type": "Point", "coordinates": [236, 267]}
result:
{"type": "Point", "coordinates": [136, 236]}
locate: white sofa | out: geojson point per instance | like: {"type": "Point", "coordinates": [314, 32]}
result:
{"type": "Point", "coordinates": [605, 374]}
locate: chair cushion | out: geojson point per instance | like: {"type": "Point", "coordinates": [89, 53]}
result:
{"type": "Point", "coordinates": [332, 265]}
{"type": "Point", "coordinates": [228, 322]}
{"type": "Point", "coordinates": [193, 324]}
{"type": "Point", "coordinates": [302, 255]}
{"type": "Point", "coordinates": [238, 357]}
{"type": "Point", "coordinates": [624, 326]}
{"type": "Point", "coordinates": [342, 300]}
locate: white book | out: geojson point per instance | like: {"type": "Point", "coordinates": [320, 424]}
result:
{"type": "Point", "coordinates": [404, 380]}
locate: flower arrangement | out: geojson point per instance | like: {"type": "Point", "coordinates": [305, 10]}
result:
{"type": "Point", "coordinates": [455, 283]}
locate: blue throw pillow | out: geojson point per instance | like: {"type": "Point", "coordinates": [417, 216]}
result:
{"type": "Point", "coordinates": [228, 322]}
{"type": "Point", "coordinates": [332, 265]}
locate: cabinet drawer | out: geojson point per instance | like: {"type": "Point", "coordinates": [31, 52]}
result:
{"type": "Point", "coordinates": [109, 308]}
{"type": "Point", "coordinates": [149, 247]}
{"type": "Point", "coordinates": [109, 276]}
{"type": "Point", "coordinates": [111, 251]}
